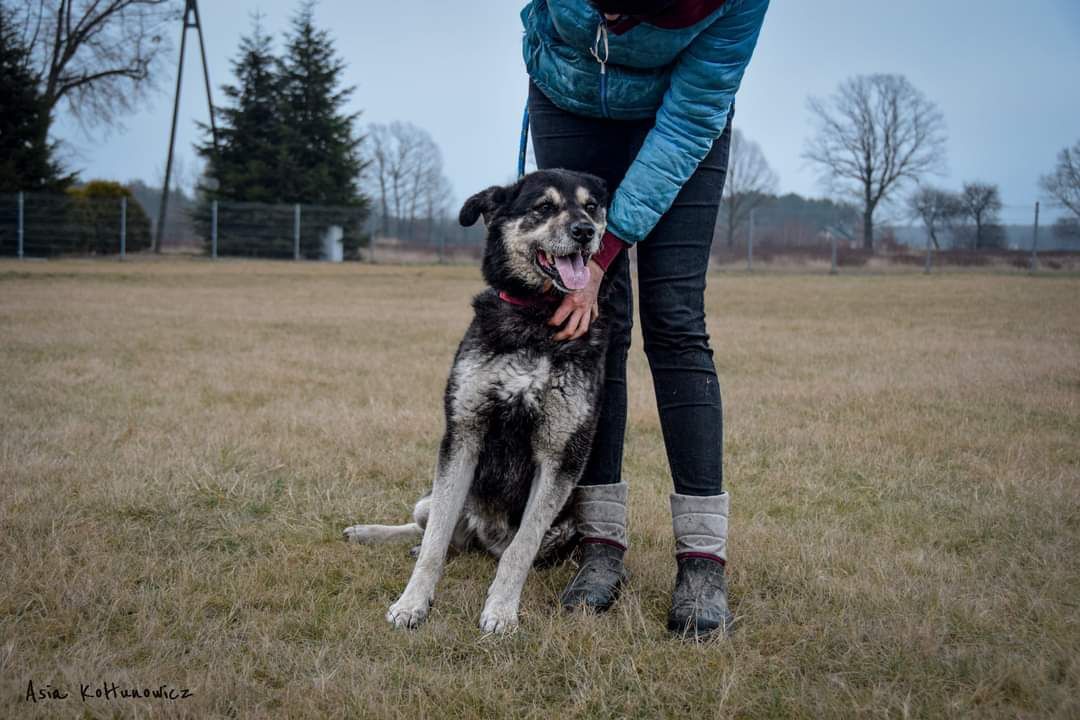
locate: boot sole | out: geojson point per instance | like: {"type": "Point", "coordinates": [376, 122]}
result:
{"type": "Point", "coordinates": [684, 632]}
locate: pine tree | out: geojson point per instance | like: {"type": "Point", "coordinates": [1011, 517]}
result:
{"type": "Point", "coordinates": [246, 165]}
{"type": "Point", "coordinates": [284, 138]}
{"type": "Point", "coordinates": [27, 158]}
{"type": "Point", "coordinates": [322, 150]}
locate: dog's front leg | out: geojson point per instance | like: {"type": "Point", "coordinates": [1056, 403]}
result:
{"type": "Point", "coordinates": [548, 495]}
{"type": "Point", "coordinates": [453, 477]}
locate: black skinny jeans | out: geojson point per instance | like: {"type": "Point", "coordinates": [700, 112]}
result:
{"type": "Point", "coordinates": [672, 262]}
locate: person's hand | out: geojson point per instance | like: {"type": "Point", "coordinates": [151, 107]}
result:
{"type": "Point", "coordinates": [579, 308]}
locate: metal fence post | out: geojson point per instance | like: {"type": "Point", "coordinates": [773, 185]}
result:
{"type": "Point", "coordinates": [19, 231]}
{"type": "Point", "coordinates": [371, 238]}
{"type": "Point", "coordinates": [750, 243]}
{"type": "Point", "coordinates": [1035, 241]}
{"type": "Point", "coordinates": [296, 231]}
{"type": "Point", "coordinates": [123, 228]}
{"type": "Point", "coordinates": [832, 241]}
{"type": "Point", "coordinates": [213, 230]}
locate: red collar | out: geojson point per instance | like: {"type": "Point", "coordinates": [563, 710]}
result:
{"type": "Point", "coordinates": [530, 301]}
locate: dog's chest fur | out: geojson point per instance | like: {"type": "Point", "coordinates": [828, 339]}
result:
{"type": "Point", "coordinates": [521, 390]}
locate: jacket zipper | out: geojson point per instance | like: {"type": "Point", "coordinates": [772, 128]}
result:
{"type": "Point", "coordinates": [602, 36]}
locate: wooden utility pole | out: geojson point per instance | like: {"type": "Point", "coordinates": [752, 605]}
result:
{"type": "Point", "coordinates": [190, 20]}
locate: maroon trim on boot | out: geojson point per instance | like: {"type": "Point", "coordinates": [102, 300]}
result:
{"type": "Point", "coordinates": [704, 556]}
{"type": "Point", "coordinates": [604, 541]}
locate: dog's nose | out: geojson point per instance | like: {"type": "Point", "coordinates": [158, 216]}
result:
{"type": "Point", "coordinates": [582, 231]}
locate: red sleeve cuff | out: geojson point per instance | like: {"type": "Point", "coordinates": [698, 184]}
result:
{"type": "Point", "coordinates": [610, 247]}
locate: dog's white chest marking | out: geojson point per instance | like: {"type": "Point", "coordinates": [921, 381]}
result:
{"type": "Point", "coordinates": [559, 399]}
{"type": "Point", "coordinates": [521, 376]}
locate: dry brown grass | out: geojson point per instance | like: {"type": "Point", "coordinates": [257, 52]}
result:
{"type": "Point", "coordinates": [181, 444]}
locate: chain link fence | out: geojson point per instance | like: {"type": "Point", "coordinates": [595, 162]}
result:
{"type": "Point", "coordinates": [811, 236]}
{"type": "Point", "coordinates": [38, 225]}
{"type": "Point", "coordinates": [282, 232]}
{"type": "Point", "coordinates": [49, 225]}
{"type": "Point", "coordinates": [426, 240]}
{"type": "Point", "coordinates": [832, 239]}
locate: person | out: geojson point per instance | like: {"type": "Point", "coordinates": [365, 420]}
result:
{"type": "Point", "coordinates": [640, 93]}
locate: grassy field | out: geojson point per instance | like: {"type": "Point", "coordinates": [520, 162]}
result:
{"type": "Point", "coordinates": [181, 444]}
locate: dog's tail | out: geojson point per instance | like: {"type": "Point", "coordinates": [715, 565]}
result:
{"type": "Point", "coordinates": [378, 534]}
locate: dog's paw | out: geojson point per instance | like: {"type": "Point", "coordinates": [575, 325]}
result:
{"type": "Point", "coordinates": [357, 533]}
{"type": "Point", "coordinates": [499, 618]}
{"type": "Point", "coordinates": [407, 613]}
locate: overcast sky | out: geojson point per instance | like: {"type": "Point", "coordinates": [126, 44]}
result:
{"type": "Point", "coordinates": [1004, 73]}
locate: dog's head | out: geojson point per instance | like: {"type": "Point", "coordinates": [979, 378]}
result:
{"type": "Point", "coordinates": [542, 230]}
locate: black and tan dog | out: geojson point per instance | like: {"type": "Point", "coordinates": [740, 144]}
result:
{"type": "Point", "coordinates": [521, 408]}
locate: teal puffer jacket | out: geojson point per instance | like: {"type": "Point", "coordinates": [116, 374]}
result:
{"type": "Point", "coordinates": [683, 68]}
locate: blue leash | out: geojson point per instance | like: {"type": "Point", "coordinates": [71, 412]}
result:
{"type": "Point", "coordinates": [524, 145]}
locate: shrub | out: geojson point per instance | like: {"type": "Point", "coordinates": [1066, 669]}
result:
{"type": "Point", "coordinates": [96, 206]}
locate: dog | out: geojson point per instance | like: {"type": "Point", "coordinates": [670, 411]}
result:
{"type": "Point", "coordinates": [521, 408]}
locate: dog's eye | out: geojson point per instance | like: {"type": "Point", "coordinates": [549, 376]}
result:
{"type": "Point", "coordinates": [590, 207]}
{"type": "Point", "coordinates": [545, 207]}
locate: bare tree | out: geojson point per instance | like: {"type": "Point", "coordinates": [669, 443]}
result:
{"type": "Point", "coordinates": [873, 135]}
{"type": "Point", "coordinates": [435, 195]}
{"type": "Point", "coordinates": [408, 177]}
{"type": "Point", "coordinates": [980, 203]}
{"type": "Point", "coordinates": [938, 209]}
{"type": "Point", "coordinates": [98, 55]}
{"type": "Point", "coordinates": [381, 167]}
{"type": "Point", "coordinates": [1067, 230]}
{"type": "Point", "coordinates": [1063, 184]}
{"type": "Point", "coordinates": [749, 182]}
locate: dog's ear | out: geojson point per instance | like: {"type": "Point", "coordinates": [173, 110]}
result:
{"type": "Point", "coordinates": [483, 203]}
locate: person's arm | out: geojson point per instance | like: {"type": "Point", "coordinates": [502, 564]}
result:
{"type": "Point", "coordinates": [692, 115]}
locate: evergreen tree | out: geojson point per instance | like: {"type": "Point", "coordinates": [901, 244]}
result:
{"type": "Point", "coordinates": [246, 164]}
{"type": "Point", "coordinates": [284, 138]}
{"type": "Point", "coordinates": [27, 158]}
{"type": "Point", "coordinates": [321, 154]}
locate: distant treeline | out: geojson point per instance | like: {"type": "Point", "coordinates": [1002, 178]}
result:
{"type": "Point", "coordinates": [789, 220]}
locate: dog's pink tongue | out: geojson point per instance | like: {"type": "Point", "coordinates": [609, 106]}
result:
{"type": "Point", "coordinates": [573, 272]}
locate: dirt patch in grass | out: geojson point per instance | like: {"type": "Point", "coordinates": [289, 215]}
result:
{"type": "Point", "coordinates": [181, 443]}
